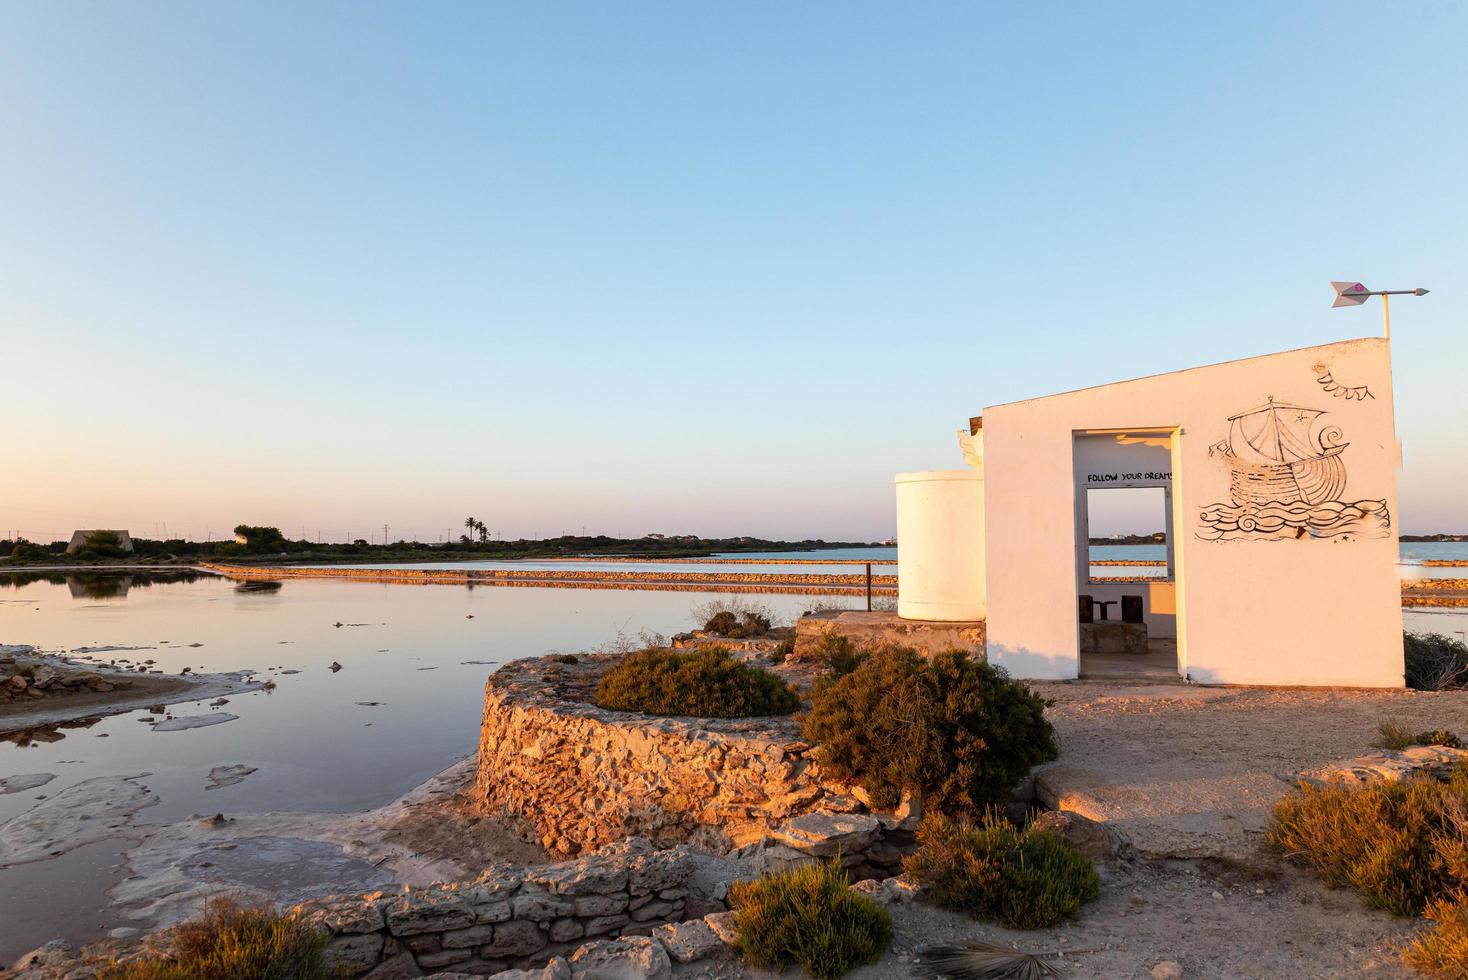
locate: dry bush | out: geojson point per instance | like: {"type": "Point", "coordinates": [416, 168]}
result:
{"type": "Point", "coordinates": [992, 870]}
{"type": "Point", "coordinates": [230, 941]}
{"type": "Point", "coordinates": [1402, 845]}
{"type": "Point", "coordinates": [1394, 734]}
{"type": "Point", "coordinates": [1443, 950]}
{"type": "Point", "coordinates": [811, 917]}
{"type": "Point", "coordinates": [737, 606]}
{"type": "Point", "coordinates": [1434, 662]}
{"type": "Point", "coordinates": [954, 731]}
{"type": "Point", "coordinates": [703, 683]}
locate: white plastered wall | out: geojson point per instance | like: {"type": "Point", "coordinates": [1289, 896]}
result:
{"type": "Point", "coordinates": [1315, 609]}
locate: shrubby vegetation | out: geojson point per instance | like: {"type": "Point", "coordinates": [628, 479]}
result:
{"type": "Point", "coordinates": [1434, 662]}
{"type": "Point", "coordinates": [733, 616]}
{"type": "Point", "coordinates": [992, 870]}
{"type": "Point", "coordinates": [954, 731]}
{"type": "Point", "coordinates": [838, 654]}
{"type": "Point", "coordinates": [808, 916]}
{"type": "Point", "coordinates": [232, 942]}
{"type": "Point", "coordinates": [705, 683]}
{"type": "Point", "coordinates": [1396, 735]}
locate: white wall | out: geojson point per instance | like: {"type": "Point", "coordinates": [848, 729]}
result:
{"type": "Point", "coordinates": [1321, 608]}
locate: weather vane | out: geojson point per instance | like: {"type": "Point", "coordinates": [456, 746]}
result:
{"type": "Point", "coordinates": [1354, 294]}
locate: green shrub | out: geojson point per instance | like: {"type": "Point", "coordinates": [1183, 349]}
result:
{"type": "Point", "coordinates": [1438, 736]}
{"type": "Point", "coordinates": [1393, 734]}
{"type": "Point", "coordinates": [1026, 879]}
{"type": "Point", "coordinates": [838, 654]}
{"type": "Point", "coordinates": [233, 942]}
{"type": "Point", "coordinates": [810, 916]}
{"type": "Point", "coordinates": [566, 658]}
{"type": "Point", "coordinates": [1443, 951]}
{"type": "Point", "coordinates": [783, 650]}
{"type": "Point", "coordinates": [735, 625]}
{"type": "Point", "coordinates": [1396, 735]}
{"type": "Point", "coordinates": [1402, 845]}
{"type": "Point", "coordinates": [705, 683]}
{"type": "Point", "coordinates": [1434, 662]}
{"type": "Point", "coordinates": [953, 731]}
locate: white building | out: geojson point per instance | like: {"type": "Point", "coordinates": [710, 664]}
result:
{"type": "Point", "coordinates": [1279, 476]}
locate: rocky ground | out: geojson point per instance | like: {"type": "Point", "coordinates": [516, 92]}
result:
{"type": "Point", "coordinates": [1186, 774]}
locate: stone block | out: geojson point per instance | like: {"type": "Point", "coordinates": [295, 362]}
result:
{"type": "Point", "coordinates": [353, 953]}
{"type": "Point", "coordinates": [629, 957]}
{"type": "Point", "coordinates": [651, 911]}
{"type": "Point", "coordinates": [415, 914]}
{"type": "Point", "coordinates": [565, 930]}
{"type": "Point", "coordinates": [826, 834]}
{"type": "Point", "coordinates": [601, 905]}
{"type": "Point", "coordinates": [540, 907]}
{"type": "Point", "coordinates": [448, 957]}
{"type": "Point", "coordinates": [342, 913]}
{"type": "Point", "coordinates": [491, 912]}
{"type": "Point", "coordinates": [476, 935]}
{"type": "Point", "coordinates": [400, 967]}
{"type": "Point", "coordinates": [688, 941]}
{"type": "Point", "coordinates": [589, 876]}
{"type": "Point", "coordinates": [605, 923]}
{"type": "Point", "coordinates": [722, 924]}
{"type": "Point", "coordinates": [514, 939]}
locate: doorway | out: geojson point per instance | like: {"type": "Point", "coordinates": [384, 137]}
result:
{"type": "Point", "coordinates": [1125, 568]}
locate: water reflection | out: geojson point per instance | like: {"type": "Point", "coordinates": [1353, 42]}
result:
{"type": "Point", "coordinates": [102, 584]}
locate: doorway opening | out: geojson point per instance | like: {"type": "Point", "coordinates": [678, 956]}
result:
{"type": "Point", "coordinates": [1125, 587]}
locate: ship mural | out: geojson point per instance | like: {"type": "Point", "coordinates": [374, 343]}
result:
{"type": "Point", "coordinates": [1287, 479]}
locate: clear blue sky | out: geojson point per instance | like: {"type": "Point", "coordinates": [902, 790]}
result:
{"type": "Point", "coordinates": [702, 268]}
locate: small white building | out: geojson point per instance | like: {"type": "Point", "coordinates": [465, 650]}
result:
{"type": "Point", "coordinates": [1279, 480]}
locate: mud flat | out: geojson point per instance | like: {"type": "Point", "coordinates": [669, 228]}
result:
{"type": "Point", "coordinates": [74, 689]}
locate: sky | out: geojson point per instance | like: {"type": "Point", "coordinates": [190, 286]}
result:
{"type": "Point", "coordinates": [682, 268]}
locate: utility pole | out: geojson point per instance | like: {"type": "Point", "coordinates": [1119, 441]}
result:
{"type": "Point", "coordinates": [384, 535]}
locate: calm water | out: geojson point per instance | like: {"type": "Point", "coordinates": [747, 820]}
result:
{"type": "Point", "coordinates": [1413, 554]}
{"type": "Point", "coordinates": [769, 563]}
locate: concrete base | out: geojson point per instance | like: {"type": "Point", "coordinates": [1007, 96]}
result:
{"type": "Point", "coordinates": [876, 629]}
{"type": "Point", "coordinates": [1107, 637]}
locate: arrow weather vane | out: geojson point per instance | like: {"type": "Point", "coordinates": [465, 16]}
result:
{"type": "Point", "coordinates": [1354, 294]}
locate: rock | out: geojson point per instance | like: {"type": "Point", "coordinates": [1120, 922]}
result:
{"type": "Point", "coordinates": [353, 954]}
{"type": "Point", "coordinates": [125, 932]}
{"type": "Point", "coordinates": [514, 939]}
{"type": "Point", "coordinates": [826, 834]}
{"type": "Point", "coordinates": [688, 941]}
{"type": "Point", "coordinates": [44, 676]}
{"type": "Point", "coordinates": [18, 682]}
{"type": "Point", "coordinates": [605, 923]}
{"type": "Point", "coordinates": [400, 967]}
{"type": "Point", "coordinates": [1389, 766]}
{"type": "Point", "coordinates": [1095, 840]}
{"type": "Point", "coordinates": [57, 952]}
{"type": "Point", "coordinates": [627, 958]}
{"type": "Point", "coordinates": [565, 930]}
{"type": "Point", "coordinates": [221, 776]}
{"type": "Point", "coordinates": [471, 936]}
{"type": "Point", "coordinates": [556, 969]}
{"type": "Point", "coordinates": [334, 667]}
{"type": "Point", "coordinates": [722, 924]}
{"type": "Point", "coordinates": [540, 907]}
{"type": "Point", "coordinates": [342, 914]}
{"type": "Point", "coordinates": [416, 914]}
{"type": "Point", "coordinates": [1167, 970]}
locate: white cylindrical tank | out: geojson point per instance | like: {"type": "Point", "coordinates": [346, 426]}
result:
{"type": "Point", "coordinates": [940, 546]}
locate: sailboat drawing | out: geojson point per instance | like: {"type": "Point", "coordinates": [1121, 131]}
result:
{"type": "Point", "coordinates": [1286, 479]}
{"type": "Point", "coordinates": [1275, 456]}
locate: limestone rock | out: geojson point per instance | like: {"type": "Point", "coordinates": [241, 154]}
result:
{"type": "Point", "coordinates": [827, 834]}
{"type": "Point", "coordinates": [1095, 840]}
{"type": "Point", "coordinates": [341, 913]}
{"type": "Point", "coordinates": [688, 941]}
{"type": "Point", "coordinates": [1167, 970]}
{"type": "Point", "coordinates": [416, 914]}
{"type": "Point", "coordinates": [627, 958]}
{"type": "Point", "coordinates": [353, 954]}
{"type": "Point", "coordinates": [400, 967]}
{"type": "Point", "coordinates": [722, 925]}
{"type": "Point", "coordinates": [514, 939]}
{"type": "Point", "coordinates": [1389, 766]}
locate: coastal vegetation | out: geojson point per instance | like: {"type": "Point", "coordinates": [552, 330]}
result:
{"type": "Point", "coordinates": [1394, 734]}
{"type": "Point", "coordinates": [703, 683]}
{"type": "Point", "coordinates": [808, 916]}
{"type": "Point", "coordinates": [1402, 845]}
{"type": "Point", "coordinates": [951, 730]}
{"type": "Point", "coordinates": [1434, 662]}
{"type": "Point", "coordinates": [277, 548]}
{"type": "Point", "coordinates": [230, 941]}
{"type": "Point", "coordinates": [992, 870]}
{"type": "Point", "coordinates": [734, 617]}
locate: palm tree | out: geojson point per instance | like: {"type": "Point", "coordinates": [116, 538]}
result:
{"type": "Point", "coordinates": [471, 524]}
{"type": "Point", "coordinates": [483, 533]}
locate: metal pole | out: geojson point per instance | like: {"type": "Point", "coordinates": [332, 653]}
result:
{"type": "Point", "coordinates": [1386, 314]}
{"type": "Point", "coordinates": [869, 586]}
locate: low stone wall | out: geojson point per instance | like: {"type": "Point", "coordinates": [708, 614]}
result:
{"type": "Point", "coordinates": [507, 917]}
{"type": "Point", "coordinates": [584, 777]}
{"type": "Point", "coordinates": [876, 629]}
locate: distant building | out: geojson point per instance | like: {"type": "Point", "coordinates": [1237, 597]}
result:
{"type": "Point", "coordinates": [241, 538]}
{"type": "Point", "coordinates": [79, 540]}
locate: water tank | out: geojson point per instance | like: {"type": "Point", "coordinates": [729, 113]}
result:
{"type": "Point", "coordinates": [940, 546]}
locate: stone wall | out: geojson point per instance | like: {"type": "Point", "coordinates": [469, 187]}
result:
{"type": "Point", "coordinates": [507, 917]}
{"type": "Point", "coordinates": [876, 629]}
{"type": "Point", "coordinates": [584, 777]}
